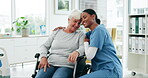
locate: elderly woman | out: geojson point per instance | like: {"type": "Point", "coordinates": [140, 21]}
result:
{"type": "Point", "coordinates": [66, 45]}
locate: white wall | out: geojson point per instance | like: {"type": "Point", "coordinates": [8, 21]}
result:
{"type": "Point", "coordinates": [56, 20]}
{"type": "Point", "coordinates": [125, 36]}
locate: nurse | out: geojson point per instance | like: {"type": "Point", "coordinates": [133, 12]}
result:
{"type": "Point", "coordinates": [99, 48]}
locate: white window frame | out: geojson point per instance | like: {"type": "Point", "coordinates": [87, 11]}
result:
{"type": "Point", "coordinates": [13, 16]}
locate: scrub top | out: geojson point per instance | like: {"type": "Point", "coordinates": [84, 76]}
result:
{"type": "Point", "coordinates": [0, 63]}
{"type": "Point", "coordinates": [105, 58]}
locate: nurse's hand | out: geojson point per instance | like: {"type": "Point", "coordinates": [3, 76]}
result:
{"type": "Point", "coordinates": [86, 39]}
{"type": "Point", "coordinates": [73, 57]}
{"type": "Point", "coordinates": [59, 28]}
{"type": "Point", "coordinates": [43, 63]}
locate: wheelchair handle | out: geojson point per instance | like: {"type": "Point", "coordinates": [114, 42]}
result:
{"type": "Point", "coordinates": [1, 54]}
{"type": "Point", "coordinates": [80, 57]}
{"type": "Point", "coordinates": [37, 55]}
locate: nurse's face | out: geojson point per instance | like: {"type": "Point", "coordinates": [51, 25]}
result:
{"type": "Point", "coordinates": [87, 19]}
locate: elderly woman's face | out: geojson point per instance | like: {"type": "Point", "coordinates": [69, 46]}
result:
{"type": "Point", "coordinates": [74, 24]}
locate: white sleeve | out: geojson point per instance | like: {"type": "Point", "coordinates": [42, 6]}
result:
{"type": "Point", "coordinates": [90, 51]}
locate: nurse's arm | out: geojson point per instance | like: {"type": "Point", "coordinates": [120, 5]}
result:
{"type": "Point", "coordinates": [90, 51]}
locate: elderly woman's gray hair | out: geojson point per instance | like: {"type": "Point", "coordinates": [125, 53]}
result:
{"type": "Point", "coordinates": [75, 14]}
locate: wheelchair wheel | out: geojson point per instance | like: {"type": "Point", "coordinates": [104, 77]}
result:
{"type": "Point", "coordinates": [86, 69]}
{"type": "Point", "coordinates": [133, 73]}
{"type": "Point", "coordinates": [33, 75]}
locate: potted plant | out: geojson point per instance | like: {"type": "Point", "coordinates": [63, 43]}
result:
{"type": "Point", "coordinates": [21, 24]}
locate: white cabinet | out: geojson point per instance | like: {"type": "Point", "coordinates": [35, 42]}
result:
{"type": "Point", "coordinates": [138, 41]}
{"type": "Point", "coordinates": [25, 41]}
{"type": "Point", "coordinates": [138, 36]}
{"type": "Point", "coordinates": [24, 53]}
{"type": "Point", "coordinates": [21, 50]}
{"type": "Point", "coordinates": [24, 49]}
{"type": "Point", "coordinates": [7, 44]}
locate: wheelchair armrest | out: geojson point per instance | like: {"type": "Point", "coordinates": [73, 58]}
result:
{"type": "Point", "coordinates": [37, 55]}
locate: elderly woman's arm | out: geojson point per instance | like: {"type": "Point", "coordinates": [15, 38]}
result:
{"type": "Point", "coordinates": [81, 45]}
{"type": "Point", "coordinates": [79, 52]}
{"type": "Point", "coordinates": [45, 47]}
{"type": "Point", "coordinates": [44, 50]}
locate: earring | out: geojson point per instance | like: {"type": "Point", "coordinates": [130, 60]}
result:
{"type": "Point", "coordinates": [93, 19]}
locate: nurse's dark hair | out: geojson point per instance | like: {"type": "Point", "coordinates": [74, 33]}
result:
{"type": "Point", "coordinates": [91, 12]}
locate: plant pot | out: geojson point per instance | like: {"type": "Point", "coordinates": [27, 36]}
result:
{"type": "Point", "coordinates": [25, 32]}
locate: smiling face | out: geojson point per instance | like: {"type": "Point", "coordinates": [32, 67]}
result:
{"type": "Point", "coordinates": [87, 19]}
{"type": "Point", "coordinates": [73, 24]}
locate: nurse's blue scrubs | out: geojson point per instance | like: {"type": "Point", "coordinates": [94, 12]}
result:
{"type": "Point", "coordinates": [105, 64]}
{"type": "Point", "coordinates": [0, 63]}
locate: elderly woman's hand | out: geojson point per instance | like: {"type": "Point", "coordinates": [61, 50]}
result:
{"type": "Point", "coordinates": [43, 63]}
{"type": "Point", "coordinates": [73, 57]}
{"type": "Point", "coordinates": [59, 28]}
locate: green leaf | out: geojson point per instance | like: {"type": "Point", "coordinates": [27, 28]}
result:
{"type": "Point", "coordinates": [22, 17]}
{"type": "Point", "coordinates": [20, 23]}
{"type": "Point", "coordinates": [26, 22]}
{"type": "Point", "coordinates": [12, 29]}
{"type": "Point", "coordinates": [18, 30]}
{"type": "Point", "coordinates": [33, 31]}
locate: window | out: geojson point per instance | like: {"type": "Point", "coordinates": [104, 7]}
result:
{"type": "Point", "coordinates": [5, 16]}
{"type": "Point", "coordinates": [85, 4]}
{"type": "Point", "coordinates": [115, 20]}
{"type": "Point", "coordinates": [99, 6]}
{"type": "Point", "coordinates": [34, 11]}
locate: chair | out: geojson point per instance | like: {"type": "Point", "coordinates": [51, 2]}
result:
{"type": "Point", "coordinates": [80, 68]}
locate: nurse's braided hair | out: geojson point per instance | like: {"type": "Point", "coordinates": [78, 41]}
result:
{"type": "Point", "coordinates": [91, 12]}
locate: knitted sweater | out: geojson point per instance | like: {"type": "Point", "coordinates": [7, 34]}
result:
{"type": "Point", "coordinates": [61, 45]}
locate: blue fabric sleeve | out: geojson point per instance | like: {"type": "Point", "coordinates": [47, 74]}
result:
{"type": "Point", "coordinates": [88, 34]}
{"type": "Point", "coordinates": [0, 63]}
{"type": "Point", "coordinates": [97, 38]}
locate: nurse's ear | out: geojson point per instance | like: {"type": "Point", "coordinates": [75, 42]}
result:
{"type": "Point", "coordinates": [93, 16]}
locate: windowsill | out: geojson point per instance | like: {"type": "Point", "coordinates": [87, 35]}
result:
{"type": "Point", "coordinates": [19, 36]}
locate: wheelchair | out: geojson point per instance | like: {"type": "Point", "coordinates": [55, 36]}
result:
{"type": "Point", "coordinates": [80, 68]}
